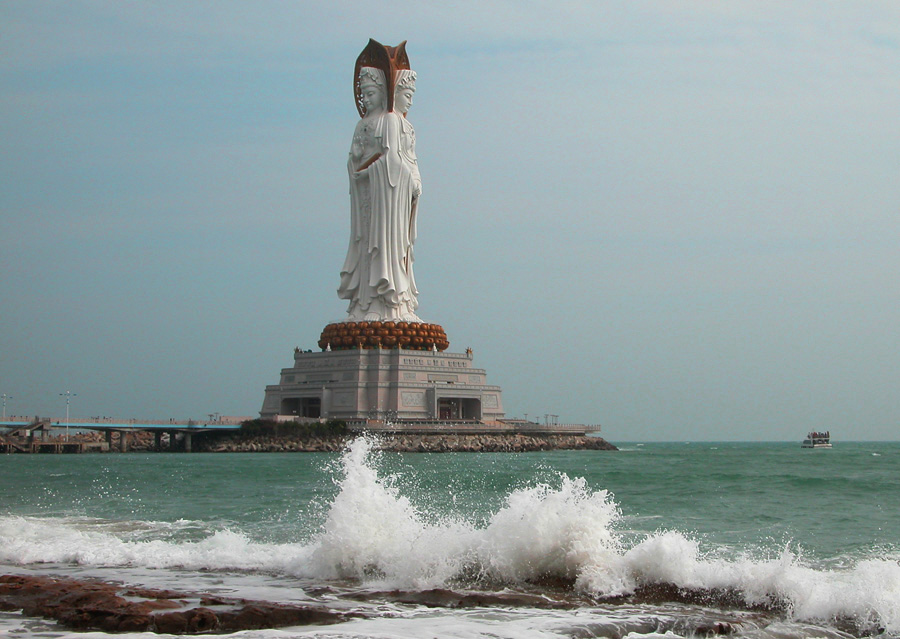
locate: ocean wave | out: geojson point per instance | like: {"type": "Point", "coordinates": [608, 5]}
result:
{"type": "Point", "coordinates": [32, 540]}
{"type": "Point", "coordinates": [561, 532]}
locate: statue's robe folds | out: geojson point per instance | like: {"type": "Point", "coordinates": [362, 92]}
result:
{"type": "Point", "coordinates": [377, 276]}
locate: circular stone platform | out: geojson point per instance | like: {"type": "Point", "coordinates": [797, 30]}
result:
{"type": "Point", "coordinates": [417, 336]}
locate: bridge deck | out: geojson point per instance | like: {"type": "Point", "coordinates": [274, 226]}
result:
{"type": "Point", "coordinates": [132, 426]}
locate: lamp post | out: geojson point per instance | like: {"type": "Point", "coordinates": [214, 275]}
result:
{"type": "Point", "coordinates": [5, 397]}
{"type": "Point", "coordinates": [67, 395]}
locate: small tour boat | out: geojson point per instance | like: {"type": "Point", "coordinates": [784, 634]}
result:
{"type": "Point", "coordinates": [817, 440]}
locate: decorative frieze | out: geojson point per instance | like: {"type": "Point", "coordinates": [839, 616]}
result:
{"type": "Point", "coordinates": [413, 399]}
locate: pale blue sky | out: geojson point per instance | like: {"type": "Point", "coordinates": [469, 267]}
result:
{"type": "Point", "coordinates": [677, 219]}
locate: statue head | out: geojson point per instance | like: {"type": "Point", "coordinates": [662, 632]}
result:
{"type": "Point", "coordinates": [372, 88]}
{"type": "Point", "coordinates": [404, 89]}
{"type": "Point", "coordinates": [386, 59]}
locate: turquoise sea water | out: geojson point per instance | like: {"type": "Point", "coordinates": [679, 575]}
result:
{"type": "Point", "coordinates": [816, 530]}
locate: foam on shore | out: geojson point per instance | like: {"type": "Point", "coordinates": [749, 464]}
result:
{"type": "Point", "coordinates": [565, 531]}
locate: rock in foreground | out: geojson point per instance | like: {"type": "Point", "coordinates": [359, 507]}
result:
{"type": "Point", "coordinates": [95, 605]}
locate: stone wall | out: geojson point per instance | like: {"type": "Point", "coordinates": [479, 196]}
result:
{"type": "Point", "coordinates": [422, 443]}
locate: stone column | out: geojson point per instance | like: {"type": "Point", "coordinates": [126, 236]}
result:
{"type": "Point", "coordinates": [431, 401]}
{"type": "Point", "coordinates": [326, 403]}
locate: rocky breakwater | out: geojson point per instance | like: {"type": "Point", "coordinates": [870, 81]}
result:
{"type": "Point", "coordinates": [488, 443]}
{"type": "Point", "coordinates": [263, 436]}
{"type": "Point", "coordinates": [96, 605]}
{"type": "Point", "coordinates": [275, 444]}
{"type": "Point", "coordinates": [268, 437]}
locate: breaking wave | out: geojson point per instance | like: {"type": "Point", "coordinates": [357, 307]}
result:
{"type": "Point", "coordinates": [563, 532]}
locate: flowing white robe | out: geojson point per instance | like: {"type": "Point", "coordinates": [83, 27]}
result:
{"type": "Point", "coordinates": [377, 276]}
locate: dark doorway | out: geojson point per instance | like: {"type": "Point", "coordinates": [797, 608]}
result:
{"type": "Point", "coordinates": [459, 408]}
{"type": "Point", "coordinates": [302, 407]}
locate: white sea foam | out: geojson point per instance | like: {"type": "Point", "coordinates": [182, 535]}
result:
{"type": "Point", "coordinates": [27, 540]}
{"type": "Point", "coordinates": [561, 532]}
{"type": "Point", "coordinates": [373, 533]}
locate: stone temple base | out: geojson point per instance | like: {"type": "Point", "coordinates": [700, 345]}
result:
{"type": "Point", "coordinates": [386, 384]}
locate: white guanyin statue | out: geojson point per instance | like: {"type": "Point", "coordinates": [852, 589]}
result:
{"type": "Point", "coordinates": [377, 276]}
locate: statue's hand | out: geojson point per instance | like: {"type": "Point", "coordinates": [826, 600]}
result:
{"type": "Point", "coordinates": [417, 190]}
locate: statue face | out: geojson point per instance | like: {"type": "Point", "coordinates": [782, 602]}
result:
{"type": "Point", "coordinates": [403, 100]}
{"type": "Point", "coordinates": [373, 98]}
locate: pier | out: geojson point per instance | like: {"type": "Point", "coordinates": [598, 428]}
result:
{"type": "Point", "coordinates": [46, 436]}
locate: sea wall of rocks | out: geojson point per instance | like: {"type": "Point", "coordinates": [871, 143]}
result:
{"type": "Point", "coordinates": [408, 443]}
